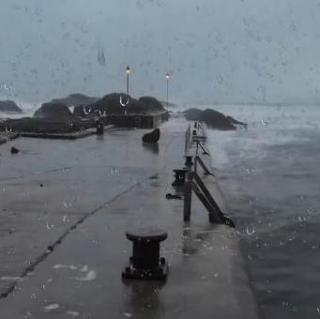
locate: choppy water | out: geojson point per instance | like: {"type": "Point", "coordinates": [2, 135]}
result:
{"type": "Point", "coordinates": [272, 177]}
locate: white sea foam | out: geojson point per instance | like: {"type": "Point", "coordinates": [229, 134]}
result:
{"type": "Point", "coordinates": [73, 314]}
{"type": "Point", "coordinates": [51, 307]}
{"type": "Point", "coordinates": [10, 278]}
{"type": "Point", "coordinates": [60, 266]}
{"type": "Point", "coordinates": [90, 275]}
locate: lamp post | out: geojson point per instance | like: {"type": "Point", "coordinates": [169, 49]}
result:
{"type": "Point", "coordinates": [128, 71]}
{"type": "Point", "coordinates": [167, 79]}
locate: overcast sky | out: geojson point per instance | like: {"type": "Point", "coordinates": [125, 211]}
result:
{"type": "Point", "coordinates": [218, 51]}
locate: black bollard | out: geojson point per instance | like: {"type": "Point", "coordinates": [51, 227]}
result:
{"type": "Point", "coordinates": [14, 150]}
{"type": "Point", "coordinates": [180, 177]}
{"type": "Point", "coordinates": [100, 128]}
{"type": "Point", "coordinates": [188, 163]}
{"type": "Point", "coordinates": [145, 263]}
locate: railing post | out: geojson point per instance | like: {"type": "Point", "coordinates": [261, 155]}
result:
{"type": "Point", "coordinates": [187, 140]}
{"type": "Point", "coordinates": [195, 163]}
{"type": "Point", "coordinates": [204, 167]}
{"type": "Point", "coordinates": [187, 198]}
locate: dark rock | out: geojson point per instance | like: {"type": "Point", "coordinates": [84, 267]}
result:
{"type": "Point", "coordinates": [109, 103]}
{"type": "Point", "coordinates": [194, 114]}
{"type": "Point", "coordinates": [14, 150]}
{"type": "Point", "coordinates": [212, 118]}
{"type": "Point", "coordinates": [53, 110]}
{"type": "Point", "coordinates": [152, 137]}
{"type": "Point", "coordinates": [234, 121]}
{"type": "Point", "coordinates": [151, 104]}
{"type": "Point", "coordinates": [120, 103]}
{"type": "Point", "coordinates": [9, 106]}
{"type": "Point", "coordinates": [75, 100]}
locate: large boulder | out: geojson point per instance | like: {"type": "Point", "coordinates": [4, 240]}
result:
{"type": "Point", "coordinates": [9, 106]}
{"type": "Point", "coordinates": [75, 100]}
{"type": "Point", "coordinates": [151, 104]}
{"type": "Point", "coordinates": [53, 110]}
{"type": "Point", "coordinates": [234, 121]}
{"type": "Point", "coordinates": [212, 118]}
{"type": "Point", "coordinates": [109, 103]}
{"type": "Point", "coordinates": [119, 103]}
{"type": "Point", "coordinates": [152, 137]}
{"type": "Point", "coordinates": [194, 115]}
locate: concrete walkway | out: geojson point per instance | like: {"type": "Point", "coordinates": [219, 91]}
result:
{"type": "Point", "coordinates": [65, 207]}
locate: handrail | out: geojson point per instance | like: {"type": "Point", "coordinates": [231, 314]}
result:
{"type": "Point", "coordinates": [197, 159]}
{"type": "Point", "coordinates": [195, 184]}
{"type": "Point", "coordinates": [205, 152]}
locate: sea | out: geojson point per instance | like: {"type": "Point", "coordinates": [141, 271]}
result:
{"type": "Point", "coordinates": [271, 176]}
{"type": "Point", "coordinates": [270, 173]}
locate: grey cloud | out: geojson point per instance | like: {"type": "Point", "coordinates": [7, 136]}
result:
{"type": "Point", "coordinates": [218, 51]}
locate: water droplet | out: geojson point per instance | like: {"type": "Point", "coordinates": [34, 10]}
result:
{"type": "Point", "coordinates": [127, 314]}
{"type": "Point", "coordinates": [28, 315]}
{"type": "Point", "coordinates": [250, 230]}
{"type": "Point", "coordinates": [10, 278]}
{"type": "Point", "coordinates": [51, 307]}
{"type": "Point", "coordinates": [85, 268]}
{"type": "Point", "coordinates": [73, 313]}
{"type": "Point", "coordinates": [59, 266]}
{"type": "Point", "coordinates": [101, 57]}
{"type": "Point", "coordinates": [49, 227]}
{"type": "Point", "coordinates": [91, 275]}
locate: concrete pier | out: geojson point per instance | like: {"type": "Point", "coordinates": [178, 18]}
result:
{"type": "Point", "coordinates": [65, 207]}
{"type": "Point", "coordinates": [7, 136]}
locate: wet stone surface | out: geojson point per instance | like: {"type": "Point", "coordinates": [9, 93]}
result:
{"type": "Point", "coordinates": [81, 275]}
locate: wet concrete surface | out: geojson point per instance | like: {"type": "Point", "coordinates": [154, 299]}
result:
{"type": "Point", "coordinates": [93, 190]}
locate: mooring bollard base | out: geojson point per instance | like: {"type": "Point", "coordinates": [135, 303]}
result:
{"type": "Point", "coordinates": [159, 273]}
{"type": "Point", "coordinates": [145, 263]}
{"type": "Point", "coordinates": [188, 163]}
{"type": "Point", "coordinates": [180, 177]}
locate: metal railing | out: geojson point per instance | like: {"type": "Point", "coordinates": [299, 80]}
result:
{"type": "Point", "coordinates": [194, 184]}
